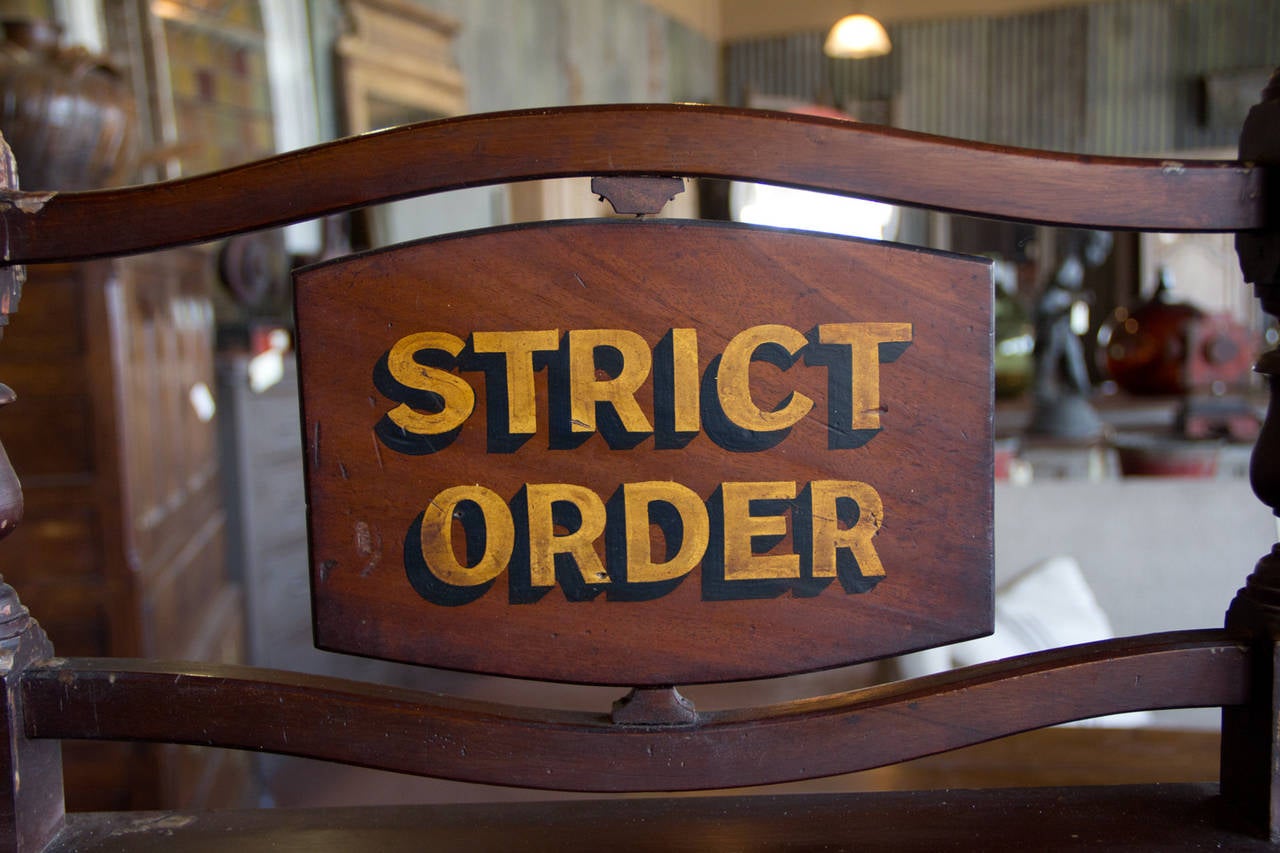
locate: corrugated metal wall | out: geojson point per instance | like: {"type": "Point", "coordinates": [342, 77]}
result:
{"type": "Point", "coordinates": [1117, 77]}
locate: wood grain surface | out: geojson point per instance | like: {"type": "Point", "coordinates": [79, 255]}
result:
{"type": "Point", "coordinates": [474, 741]}
{"type": "Point", "coordinates": [904, 427]}
{"type": "Point", "coordinates": [680, 140]}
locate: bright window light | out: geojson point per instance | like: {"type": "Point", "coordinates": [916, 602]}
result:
{"type": "Point", "coordinates": [783, 207]}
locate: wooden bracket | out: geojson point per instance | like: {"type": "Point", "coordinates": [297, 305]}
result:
{"type": "Point", "coordinates": [654, 706]}
{"type": "Point", "coordinates": [637, 196]}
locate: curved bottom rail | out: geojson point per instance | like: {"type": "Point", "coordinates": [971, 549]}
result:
{"type": "Point", "coordinates": [467, 740]}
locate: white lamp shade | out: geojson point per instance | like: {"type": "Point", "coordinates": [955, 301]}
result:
{"type": "Point", "coordinates": [857, 37]}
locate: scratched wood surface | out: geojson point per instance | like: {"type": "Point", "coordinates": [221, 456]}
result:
{"type": "Point", "coordinates": [694, 141]}
{"type": "Point", "coordinates": [475, 741]}
{"type": "Point", "coordinates": [900, 422]}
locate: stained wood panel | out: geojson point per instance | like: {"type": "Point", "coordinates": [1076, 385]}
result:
{"type": "Point", "coordinates": [780, 407]}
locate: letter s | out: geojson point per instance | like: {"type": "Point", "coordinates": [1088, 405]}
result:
{"type": "Point", "coordinates": [457, 399]}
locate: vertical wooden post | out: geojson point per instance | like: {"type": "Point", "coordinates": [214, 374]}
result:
{"type": "Point", "coordinates": [1251, 734]}
{"type": "Point", "coordinates": [31, 804]}
{"type": "Point", "coordinates": [12, 276]}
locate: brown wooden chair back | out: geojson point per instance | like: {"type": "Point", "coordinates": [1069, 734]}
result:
{"type": "Point", "coordinates": [650, 454]}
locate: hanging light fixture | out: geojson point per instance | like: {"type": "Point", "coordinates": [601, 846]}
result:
{"type": "Point", "coordinates": [857, 37]}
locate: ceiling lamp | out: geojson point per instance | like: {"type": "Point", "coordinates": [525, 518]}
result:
{"type": "Point", "coordinates": [857, 37]}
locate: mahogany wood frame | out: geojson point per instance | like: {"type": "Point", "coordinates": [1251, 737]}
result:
{"type": "Point", "coordinates": [474, 741]}
{"type": "Point", "coordinates": [653, 741]}
{"type": "Point", "coordinates": [696, 142]}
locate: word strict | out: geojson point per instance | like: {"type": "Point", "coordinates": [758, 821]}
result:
{"type": "Point", "coordinates": [653, 535]}
{"type": "Point", "coordinates": [595, 380]}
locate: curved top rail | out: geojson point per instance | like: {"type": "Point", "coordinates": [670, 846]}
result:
{"type": "Point", "coordinates": [686, 140]}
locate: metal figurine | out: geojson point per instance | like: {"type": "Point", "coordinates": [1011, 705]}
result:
{"type": "Point", "coordinates": [1062, 388]}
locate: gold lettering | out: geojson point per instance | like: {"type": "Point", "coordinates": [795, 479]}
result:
{"type": "Point", "coordinates": [733, 382]}
{"type": "Point", "coordinates": [740, 527]}
{"type": "Point", "coordinates": [829, 536]}
{"type": "Point", "coordinates": [545, 543]}
{"type": "Point", "coordinates": [695, 530]}
{"type": "Point", "coordinates": [519, 347]}
{"type": "Point", "coordinates": [585, 390]}
{"type": "Point", "coordinates": [459, 400]}
{"type": "Point", "coordinates": [437, 536]}
{"type": "Point", "coordinates": [686, 403]}
{"type": "Point", "coordinates": [863, 340]}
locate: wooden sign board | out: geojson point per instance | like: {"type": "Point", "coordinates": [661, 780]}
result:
{"type": "Point", "coordinates": [647, 453]}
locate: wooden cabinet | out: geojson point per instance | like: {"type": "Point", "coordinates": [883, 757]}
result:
{"type": "Point", "coordinates": [121, 551]}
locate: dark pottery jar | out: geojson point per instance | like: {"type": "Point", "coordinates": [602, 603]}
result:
{"type": "Point", "coordinates": [67, 114]}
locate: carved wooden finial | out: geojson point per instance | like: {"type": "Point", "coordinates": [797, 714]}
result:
{"type": "Point", "coordinates": [1250, 782]}
{"type": "Point", "coordinates": [1271, 92]}
{"type": "Point", "coordinates": [11, 280]}
{"type": "Point", "coordinates": [1259, 253]}
{"type": "Point", "coordinates": [637, 196]}
{"type": "Point", "coordinates": [14, 617]}
{"type": "Point", "coordinates": [1264, 465]}
{"type": "Point", "coordinates": [11, 502]}
{"type": "Point", "coordinates": [12, 277]}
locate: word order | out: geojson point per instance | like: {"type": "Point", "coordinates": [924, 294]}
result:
{"type": "Point", "coordinates": [551, 532]}
{"type": "Point", "coordinates": [595, 375]}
